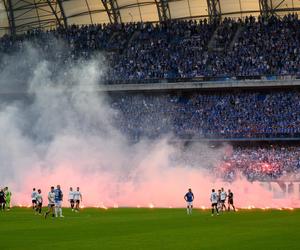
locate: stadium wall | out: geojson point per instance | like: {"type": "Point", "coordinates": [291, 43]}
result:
{"type": "Point", "coordinates": [254, 84]}
{"type": "Point", "coordinates": [18, 87]}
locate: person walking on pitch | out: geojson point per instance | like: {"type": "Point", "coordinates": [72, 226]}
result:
{"type": "Point", "coordinates": [33, 198]}
{"type": "Point", "coordinates": [51, 203]}
{"type": "Point", "coordinates": [39, 203]}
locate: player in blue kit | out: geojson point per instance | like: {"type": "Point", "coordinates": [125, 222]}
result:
{"type": "Point", "coordinates": [189, 198]}
{"type": "Point", "coordinates": [58, 201]}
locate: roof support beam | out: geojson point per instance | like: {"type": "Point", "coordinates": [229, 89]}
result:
{"type": "Point", "coordinates": [38, 13]}
{"type": "Point", "coordinates": [269, 8]}
{"type": "Point", "coordinates": [10, 15]}
{"type": "Point", "coordinates": [163, 10]}
{"type": "Point", "coordinates": [62, 11]}
{"type": "Point", "coordinates": [112, 10]}
{"type": "Point", "coordinates": [214, 11]}
{"type": "Point", "coordinates": [58, 12]}
{"type": "Point", "coordinates": [266, 8]}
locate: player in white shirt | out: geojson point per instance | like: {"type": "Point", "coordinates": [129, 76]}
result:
{"type": "Point", "coordinates": [33, 198]}
{"type": "Point", "coordinates": [214, 202]}
{"type": "Point", "coordinates": [51, 202]}
{"type": "Point", "coordinates": [71, 198]}
{"type": "Point", "coordinates": [39, 202]}
{"type": "Point", "coordinates": [77, 198]}
{"type": "Point", "coordinates": [223, 199]}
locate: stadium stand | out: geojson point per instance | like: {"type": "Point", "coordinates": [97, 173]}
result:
{"type": "Point", "coordinates": [272, 114]}
{"type": "Point", "coordinates": [263, 163]}
{"type": "Point", "coordinates": [180, 50]}
{"type": "Point", "coordinates": [256, 162]}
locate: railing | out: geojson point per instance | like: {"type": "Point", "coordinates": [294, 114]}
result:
{"type": "Point", "coordinates": [216, 139]}
{"type": "Point", "coordinates": [204, 79]}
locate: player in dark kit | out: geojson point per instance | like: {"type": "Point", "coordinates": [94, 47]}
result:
{"type": "Point", "coordinates": [77, 198]}
{"type": "Point", "coordinates": [2, 200]}
{"type": "Point", "coordinates": [230, 200]}
{"type": "Point", "coordinates": [189, 198]}
{"type": "Point", "coordinates": [219, 200]}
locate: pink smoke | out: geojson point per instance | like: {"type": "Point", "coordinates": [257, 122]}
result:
{"type": "Point", "coordinates": [66, 135]}
{"type": "Point", "coordinates": [149, 184]}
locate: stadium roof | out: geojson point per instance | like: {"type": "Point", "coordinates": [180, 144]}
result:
{"type": "Point", "coordinates": [17, 16]}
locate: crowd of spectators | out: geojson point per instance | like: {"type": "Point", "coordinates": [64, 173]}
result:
{"type": "Point", "coordinates": [225, 33]}
{"type": "Point", "coordinates": [264, 47]}
{"type": "Point", "coordinates": [180, 50]}
{"type": "Point", "coordinates": [177, 49]}
{"type": "Point", "coordinates": [247, 114]}
{"type": "Point", "coordinates": [174, 49]}
{"type": "Point", "coordinates": [261, 163]}
{"type": "Point", "coordinates": [256, 162]}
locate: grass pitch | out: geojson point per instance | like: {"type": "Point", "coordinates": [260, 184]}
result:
{"type": "Point", "coordinates": [150, 229]}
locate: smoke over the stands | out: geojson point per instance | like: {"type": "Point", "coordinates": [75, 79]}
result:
{"type": "Point", "coordinates": [62, 132]}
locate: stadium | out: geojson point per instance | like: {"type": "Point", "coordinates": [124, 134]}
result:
{"type": "Point", "coordinates": [164, 124]}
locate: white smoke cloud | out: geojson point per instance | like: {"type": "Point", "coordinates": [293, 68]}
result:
{"type": "Point", "coordinates": [61, 132]}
